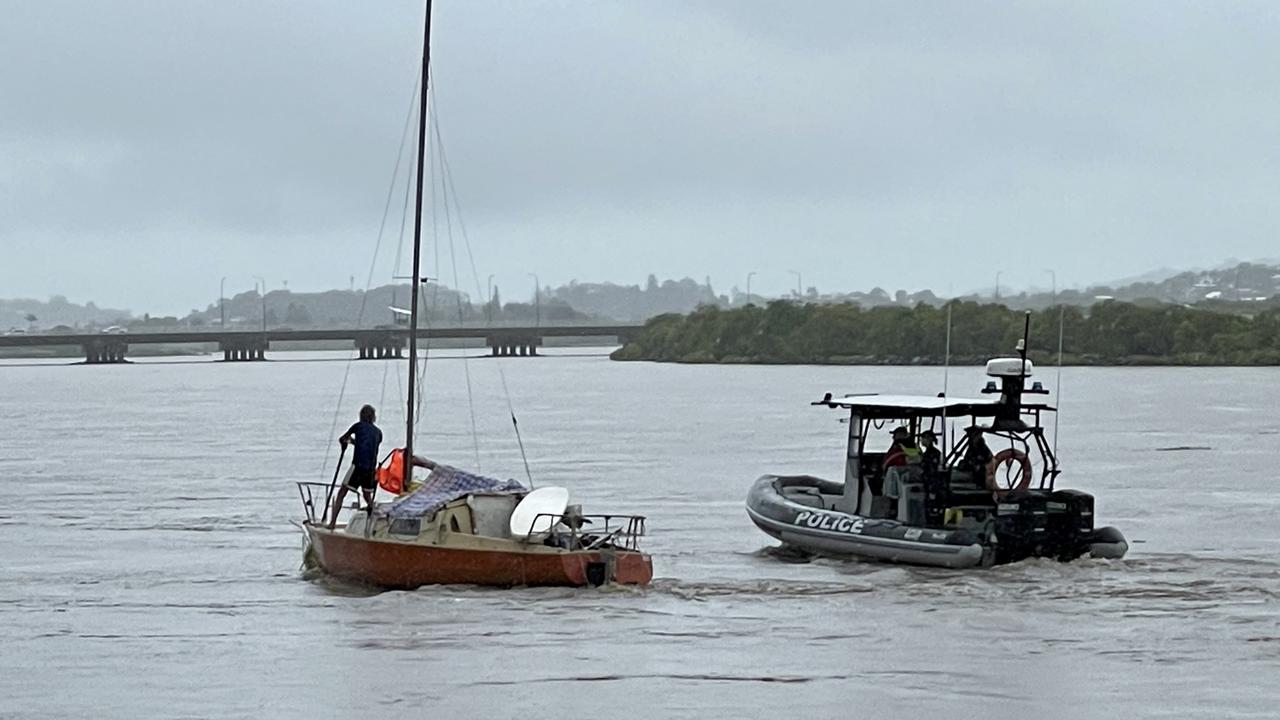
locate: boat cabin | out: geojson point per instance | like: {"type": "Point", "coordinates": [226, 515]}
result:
{"type": "Point", "coordinates": [437, 513]}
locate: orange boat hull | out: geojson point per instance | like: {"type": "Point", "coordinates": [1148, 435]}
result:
{"type": "Point", "coordinates": [398, 565]}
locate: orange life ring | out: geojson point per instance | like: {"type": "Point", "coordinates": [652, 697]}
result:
{"type": "Point", "coordinates": [1009, 455]}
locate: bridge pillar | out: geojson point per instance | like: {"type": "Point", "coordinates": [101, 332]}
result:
{"type": "Point", "coordinates": [105, 351]}
{"type": "Point", "coordinates": [243, 349]}
{"type": "Point", "coordinates": [379, 344]}
{"type": "Point", "coordinates": [511, 345]}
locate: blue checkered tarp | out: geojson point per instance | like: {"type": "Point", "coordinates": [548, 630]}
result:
{"type": "Point", "coordinates": [444, 485]}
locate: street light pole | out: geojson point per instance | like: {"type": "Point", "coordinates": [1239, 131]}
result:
{"type": "Point", "coordinates": [998, 274]}
{"type": "Point", "coordinates": [262, 295]}
{"type": "Point", "coordinates": [537, 300]}
{"type": "Point", "coordinates": [222, 304]}
{"type": "Point", "coordinates": [797, 274]}
{"type": "Point", "coordinates": [753, 272]}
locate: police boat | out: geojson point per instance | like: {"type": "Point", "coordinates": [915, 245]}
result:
{"type": "Point", "coordinates": [955, 505]}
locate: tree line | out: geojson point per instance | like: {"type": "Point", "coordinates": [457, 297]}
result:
{"type": "Point", "coordinates": [1108, 333]}
{"type": "Point", "coordinates": [348, 308]}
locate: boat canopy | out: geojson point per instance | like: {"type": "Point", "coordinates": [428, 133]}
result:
{"type": "Point", "coordinates": [873, 405]}
{"type": "Point", "coordinates": [444, 485]}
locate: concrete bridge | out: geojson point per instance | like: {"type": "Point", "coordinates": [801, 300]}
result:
{"type": "Point", "coordinates": [374, 343]}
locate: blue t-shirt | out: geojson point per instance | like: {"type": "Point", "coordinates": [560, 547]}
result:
{"type": "Point", "coordinates": [367, 438]}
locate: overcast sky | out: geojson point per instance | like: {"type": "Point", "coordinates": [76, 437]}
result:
{"type": "Point", "coordinates": [148, 149]}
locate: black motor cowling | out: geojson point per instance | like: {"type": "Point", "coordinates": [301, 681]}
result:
{"type": "Point", "coordinates": [1021, 523]}
{"type": "Point", "coordinates": [1070, 523]}
{"type": "Point", "coordinates": [1058, 524]}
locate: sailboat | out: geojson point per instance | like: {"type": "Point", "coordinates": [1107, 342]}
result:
{"type": "Point", "coordinates": [457, 527]}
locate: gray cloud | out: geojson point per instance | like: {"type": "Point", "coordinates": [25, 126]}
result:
{"type": "Point", "coordinates": [147, 149]}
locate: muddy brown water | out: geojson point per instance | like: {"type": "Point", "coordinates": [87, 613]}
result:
{"type": "Point", "coordinates": [150, 568]}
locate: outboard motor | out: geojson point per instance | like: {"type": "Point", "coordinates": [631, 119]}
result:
{"type": "Point", "coordinates": [1022, 527]}
{"type": "Point", "coordinates": [1070, 523]}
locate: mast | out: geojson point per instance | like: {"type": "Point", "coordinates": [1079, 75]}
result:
{"type": "Point", "coordinates": [417, 252]}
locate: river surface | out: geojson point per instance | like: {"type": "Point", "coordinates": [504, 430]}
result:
{"type": "Point", "coordinates": [150, 568]}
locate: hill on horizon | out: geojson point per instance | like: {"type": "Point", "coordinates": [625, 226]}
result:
{"type": "Point", "coordinates": [1243, 282]}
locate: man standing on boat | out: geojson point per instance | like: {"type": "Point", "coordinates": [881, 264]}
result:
{"type": "Point", "coordinates": [977, 458]}
{"type": "Point", "coordinates": [364, 462]}
{"type": "Point", "coordinates": [930, 455]}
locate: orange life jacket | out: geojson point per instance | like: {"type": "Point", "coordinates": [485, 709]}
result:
{"type": "Point", "coordinates": [390, 473]}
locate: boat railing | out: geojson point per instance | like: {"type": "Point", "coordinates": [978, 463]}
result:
{"type": "Point", "coordinates": [621, 531]}
{"type": "Point", "coordinates": [311, 493]}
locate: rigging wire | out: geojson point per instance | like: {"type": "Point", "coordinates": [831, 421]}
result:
{"type": "Point", "coordinates": [373, 262]}
{"type": "Point", "coordinates": [435, 249]}
{"type": "Point", "coordinates": [399, 255]}
{"type": "Point", "coordinates": [453, 260]}
{"type": "Point", "coordinates": [382, 393]}
{"type": "Point", "coordinates": [395, 268]}
{"type": "Point", "coordinates": [395, 272]}
{"type": "Point", "coordinates": [462, 228]}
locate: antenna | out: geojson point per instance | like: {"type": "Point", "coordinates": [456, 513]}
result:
{"type": "Point", "coordinates": [946, 370]}
{"type": "Point", "coordinates": [1026, 337]}
{"type": "Point", "coordinates": [1062, 319]}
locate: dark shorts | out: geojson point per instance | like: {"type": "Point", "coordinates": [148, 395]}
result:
{"type": "Point", "coordinates": [362, 479]}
